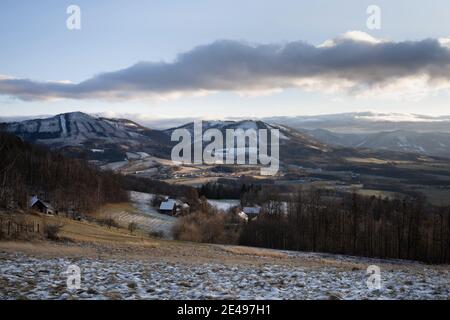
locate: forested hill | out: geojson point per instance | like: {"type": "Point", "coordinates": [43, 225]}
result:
{"type": "Point", "coordinates": [27, 170]}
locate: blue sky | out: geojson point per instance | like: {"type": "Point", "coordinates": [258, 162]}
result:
{"type": "Point", "coordinates": [36, 45]}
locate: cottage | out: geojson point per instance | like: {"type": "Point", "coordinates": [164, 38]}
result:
{"type": "Point", "coordinates": [242, 216]}
{"type": "Point", "coordinates": [168, 207]}
{"type": "Point", "coordinates": [251, 212]}
{"type": "Point", "coordinates": [41, 206]}
{"type": "Point", "coordinates": [183, 209]}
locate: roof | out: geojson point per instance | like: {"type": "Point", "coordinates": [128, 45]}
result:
{"type": "Point", "coordinates": [167, 205]}
{"type": "Point", "coordinates": [243, 216]}
{"type": "Point", "coordinates": [251, 210]}
{"type": "Point", "coordinates": [35, 200]}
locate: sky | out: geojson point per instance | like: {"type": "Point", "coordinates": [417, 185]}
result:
{"type": "Point", "coordinates": [216, 59]}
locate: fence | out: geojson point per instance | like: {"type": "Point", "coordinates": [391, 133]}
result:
{"type": "Point", "coordinates": [9, 227]}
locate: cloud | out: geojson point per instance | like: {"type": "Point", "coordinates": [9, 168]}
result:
{"type": "Point", "coordinates": [355, 63]}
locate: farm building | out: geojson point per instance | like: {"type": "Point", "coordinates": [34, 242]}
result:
{"type": "Point", "coordinates": [41, 206]}
{"type": "Point", "coordinates": [251, 212]}
{"type": "Point", "coordinates": [168, 207]}
{"type": "Point", "coordinates": [184, 209]}
{"type": "Point", "coordinates": [242, 216]}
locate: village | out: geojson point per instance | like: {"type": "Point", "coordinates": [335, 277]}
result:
{"type": "Point", "coordinates": [164, 205]}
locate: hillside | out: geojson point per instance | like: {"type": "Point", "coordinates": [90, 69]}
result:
{"type": "Point", "coordinates": [82, 135]}
{"type": "Point", "coordinates": [409, 133]}
{"type": "Point", "coordinates": [371, 167]}
{"type": "Point", "coordinates": [69, 184]}
{"type": "Point", "coordinates": [425, 143]}
{"type": "Point", "coordinates": [127, 267]}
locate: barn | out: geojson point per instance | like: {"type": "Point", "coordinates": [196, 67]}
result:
{"type": "Point", "coordinates": [168, 207]}
{"type": "Point", "coordinates": [41, 206]}
{"type": "Point", "coordinates": [251, 212]}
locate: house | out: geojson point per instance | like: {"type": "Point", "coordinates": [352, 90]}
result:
{"type": "Point", "coordinates": [251, 212]}
{"type": "Point", "coordinates": [41, 206]}
{"type": "Point", "coordinates": [242, 216]}
{"type": "Point", "coordinates": [183, 209]}
{"type": "Point", "coordinates": [168, 207]}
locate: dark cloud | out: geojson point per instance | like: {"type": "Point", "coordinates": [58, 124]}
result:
{"type": "Point", "coordinates": [348, 63]}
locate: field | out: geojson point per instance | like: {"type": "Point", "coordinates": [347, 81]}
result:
{"type": "Point", "coordinates": [118, 265]}
{"type": "Point", "coordinates": [140, 212]}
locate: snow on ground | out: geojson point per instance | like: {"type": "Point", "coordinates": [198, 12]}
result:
{"type": "Point", "coordinates": [114, 165]}
{"type": "Point", "coordinates": [150, 218]}
{"type": "Point", "coordinates": [62, 120]}
{"type": "Point", "coordinates": [132, 156]}
{"type": "Point", "coordinates": [23, 276]}
{"type": "Point", "coordinates": [225, 204]}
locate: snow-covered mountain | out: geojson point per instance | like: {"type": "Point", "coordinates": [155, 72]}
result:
{"type": "Point", "coordinates": [287, 135]}
{"type": "Point", "coordinates": [83, 133]}
{"type": "Point", "coordinates": [110, 140]}
{"type": "Point", "coordinates": [379, 131]}
{"type": "Point", "coordinates": [366, 122]}
{"type": "Point", "coordinates": [73, 129]}
{"type": "Point", "coordinates": [427, 143]}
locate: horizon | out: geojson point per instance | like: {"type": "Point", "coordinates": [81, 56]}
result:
{"type": "Point", "coordinates": [167, 123]}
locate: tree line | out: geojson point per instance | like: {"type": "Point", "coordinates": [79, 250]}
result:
{"type": "Point", "coordinates": [68, 184]}
{"type": "Point", "coordinates": [352, 224]}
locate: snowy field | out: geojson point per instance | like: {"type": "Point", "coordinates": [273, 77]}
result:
{"type": "Point", "coordinates": [24, 276]}
{"type": "Point", "coordinates": [224, 205]}
{"type": "Point", "coordinates": [149, 218]}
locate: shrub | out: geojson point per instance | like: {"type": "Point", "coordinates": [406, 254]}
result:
{"type": "Point", "coordinates": [108, 222]}
{"type": "Point", "coordinates": [51, 231]}
{"type": "Point", "coordinates": [156, 234]}
{"type": "Point", "coordinates": [203, 227]}
{"type": "Point", "coordinates": [132, 226]}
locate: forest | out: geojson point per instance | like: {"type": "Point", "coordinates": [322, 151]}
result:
{"type": "Point", "coordinates": [68, 184]}
{"type": "Point", "coordinates": [327, 221]}
{"type": "Point", "coordinates": [353, 225]}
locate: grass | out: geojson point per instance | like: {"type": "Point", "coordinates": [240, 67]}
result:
{"type": "Point", "coordinates": [258, 252]}
{"type": "Point", "coordinates": [83, 231]}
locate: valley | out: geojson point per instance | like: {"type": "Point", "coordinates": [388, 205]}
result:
{"type": "Point", "coordinates": [128, 148]}
{"type": "Point", "coordinates": [131, 250]}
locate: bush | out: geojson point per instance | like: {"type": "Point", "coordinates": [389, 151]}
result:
{"type": "Point", "coordinates": [108, 222]}
{"type": "Point", "coordinates": [156, 234]}
{"type": "Point", "coordinates": [132, 226]}
{"type": "Point", "coordinates": [51, 231]}
{"type": "Point", "coordinates": [203, 227]}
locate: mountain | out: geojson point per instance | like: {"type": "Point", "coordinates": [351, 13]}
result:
{"type": "Point", "coordinates": [293, 144]}
{"type": "Point", "coordinates": [342, 158]}
{"type": "Point", "coordinates": [286, 134]}
{"type": "Point", "coordinates": [72, 129]}
{"type": "Point", "coordinates": [426, 143]}
{"type": "Point", "coordinates": [410, 133]}
{"type": "Point", "coordinates": [96, 137]}
{"type": "Point", "coordinates": [366, 122]}
{"type": "Point", "coordinates": [112, 140]}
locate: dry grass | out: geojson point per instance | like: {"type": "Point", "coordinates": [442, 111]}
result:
{"type": "Point", "coordinates": [91, 240]}
{"type": "Point", "coordinates": [83, 231]}
{"type": "Point", "coordinates": [258, 252]}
